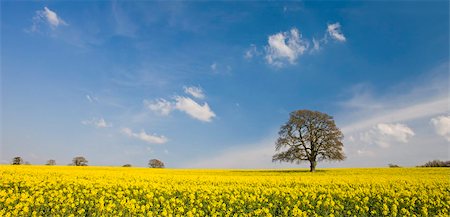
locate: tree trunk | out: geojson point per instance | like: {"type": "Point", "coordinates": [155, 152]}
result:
{"type": "Point", "coordinates": [312, 166]}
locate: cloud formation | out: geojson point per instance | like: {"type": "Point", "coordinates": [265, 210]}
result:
{"type": "Point", "coordinates": [334, 30]}
{"type": "Point", "coordinates": [285, 47]}
{"type": "Point", "coordinates": [442, 126]}
{"type": "Point", "coordinates": [384, 135]}
{"type": "Point", "coordinates": [196, 92]}
{"type": "Point", "coordinates": [160, 106]}
{"type": "Point", "coordinates": [153, 139]}
{"type": "Point", "coordinates": [47, 16]}
{"type": "Point", "coordinates": [97, 122]}
{"type": "Point", "coordinates": [251, 52]}
{"type": "Point", "coordinates": [184, 104]}
{"type": "Point", "coordinates": [193, 109]}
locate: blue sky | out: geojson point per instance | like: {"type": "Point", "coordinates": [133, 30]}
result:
{"type": "Point", "coordinates": [208, 84]}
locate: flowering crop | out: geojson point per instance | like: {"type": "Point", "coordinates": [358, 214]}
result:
{"type": "Point", "coordinates": [113, 191]}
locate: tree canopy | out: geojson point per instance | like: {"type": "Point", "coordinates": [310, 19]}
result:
{"type": "Point", "coordinates": [309, 136]}
{"type": "Point", "coordinates": [155, 163]}
{"type": "Point", "coordinates": [79, 161]}
{"type": "Point", "coordinates": [17, 161]}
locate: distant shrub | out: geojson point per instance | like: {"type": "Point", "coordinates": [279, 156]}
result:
{"type": "Point", "coordinates": [50, 162]}
{"type": "Point", "coordinates": [127, 165]}
{"type": "Point", "coordinates": [393, 166]}
{"type": "Point", "coordinates": [436, 163]}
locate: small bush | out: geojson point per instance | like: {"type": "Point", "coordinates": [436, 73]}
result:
{"type": "Point", "coordinates": [127, 165]}
{"type": "Point", "coordinates": [393, 166]}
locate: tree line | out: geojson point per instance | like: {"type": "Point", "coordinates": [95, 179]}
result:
{"type": "Point", "coordinates": [82, 161]}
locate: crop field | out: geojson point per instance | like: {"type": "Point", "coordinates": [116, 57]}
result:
{"type": "Point", "coordinates": [115, 191]}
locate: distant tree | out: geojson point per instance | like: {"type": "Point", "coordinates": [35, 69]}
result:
{"type": "Point", "coordinates": [27, 163]}
{"type": "Point", "coordinates": [393, 165]}
{"type": "Point", "coordinates": [155, 163]}
{"type": "Point", "coordinates": [79, 161]}
{"type": "Point", "coordinates": [309, 136]}
{"type": "Point", "coordinates": [17, 161]}
{"type": "Point", "coordinates": [126, 165]}
{"type": "Point", "coordinates": [51, 162]}
{"type": "Point", "coordinates": [437, 163]}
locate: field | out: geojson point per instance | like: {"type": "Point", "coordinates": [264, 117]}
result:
{"type": "Point", "coordinates": [115, 191]}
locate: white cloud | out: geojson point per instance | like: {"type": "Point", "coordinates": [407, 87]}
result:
{"type": "Point", "coordinates": [192, 108]}
{"type": "Point", "coordinates": [154, 139]}
{"type": "Point", "coordinates": [97, 122]}
{"type": "Point", "coordinates": [384, 135]}
{"type": "Point", "coordinates": [285, 47]}
{"type": "Point", "coordinates": [196, 92]}
{"type": "Point", "coordinates": [160, 106]}
{"type": "Point", "coordinates": [184, 104]}
{"type": "Point", "coordinates": [399, 132]}
{"type": "Point", "coordinates": [442, 126]}
{"type": "Point", "coordinates": [251, 52]}
{"type": "Point", "coordinates": [47, 16]}
{"type": "Point", "coordinates": [334, 30]}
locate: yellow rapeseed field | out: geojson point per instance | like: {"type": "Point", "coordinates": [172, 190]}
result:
{"type": "Point", "coordinates": [114, 191]}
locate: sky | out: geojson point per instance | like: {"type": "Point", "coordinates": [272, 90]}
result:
{"type": "Point", "coordinates": [201, 84]}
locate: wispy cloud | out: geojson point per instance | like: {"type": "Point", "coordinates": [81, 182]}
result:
{"type": "Point", "coordinates": [334, 30]}
{"type": "Point", "coordinates": [193, 109]}
{"type": "Point", "coordinates": [316, 45]}
{"type": "Point", "coordinates": [160, 106]}
{"type": "Point", "coordinates": [97, 122]}
{"type": "Point", "coordinates": [49, 17]}
{"type": "Point", "coordinates": [153, 139]}
{"type": "Point", "coordinates": [251, 52]}
{"type": "Point", "coordinates": [196, 92]}
{"type": "Point", "coordinates": [406, 113]}
{"type": "Point", "coordinates": [91, 98]}
{"type": "Point", "coordinates": [258, 155]}
{"type": "Point", "coordinates": [285, 47]}
{"type": "Point", "coordinates": [124, 25]}
{"type": "Point", "coordinates": [213, 66]}
{"type": "Point", "coordinates": [441, 125]}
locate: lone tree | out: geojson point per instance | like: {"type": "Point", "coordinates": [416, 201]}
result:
{"type": "Point", "coordinates": [309, 136]}
{"type": "Point", "coordinates": [17, 161]}
{"type": "Point", "coordinates": [51, 162]}
{"type": "Point", "coordinates": [155, 163]}
{"type": "Point", "coordinates": [79, 161]}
